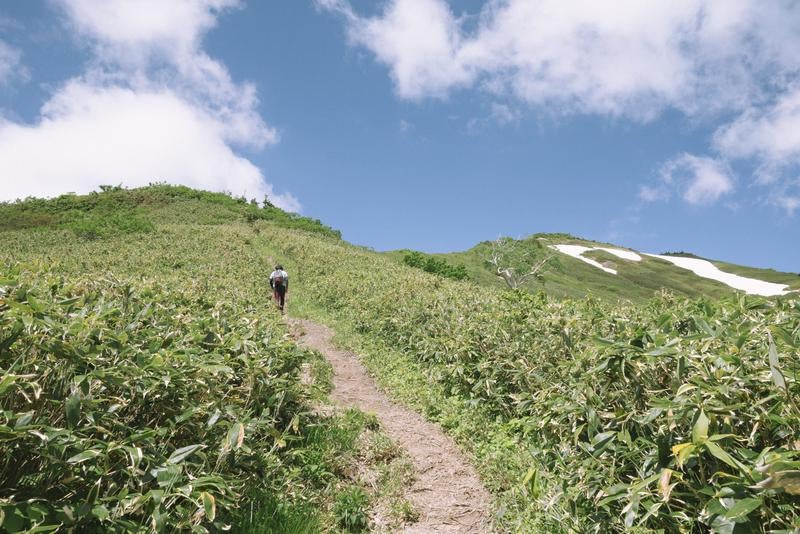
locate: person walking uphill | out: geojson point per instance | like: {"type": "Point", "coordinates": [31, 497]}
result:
{"type": "Point", "coordinates": [279, 282]}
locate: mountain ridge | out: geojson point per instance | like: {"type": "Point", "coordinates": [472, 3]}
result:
{"type": "Point", "coordinates": [597, 270]}
{"type": "Point", "coordinates": [569, 276]}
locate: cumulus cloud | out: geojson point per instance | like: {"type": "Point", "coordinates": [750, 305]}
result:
{"type": "Point", "coordinates": [700, 180]}
{"type": "Point", "coordinates": [771, 134]}
{"type": "Point", "coordinates": [153, 42]}
{"type": "Point", "coordinates": [90, 136]}
{"type": "Point", "coordinates": [632, 60]}
{"type": "Point", "coordinates": [151, 106]}
{"type": "Point", "coordinates": [418, 39]}
{"type": "Point", "coordinates": [141, 26]}
{"type": "Point", "coordinates": [769, 137]}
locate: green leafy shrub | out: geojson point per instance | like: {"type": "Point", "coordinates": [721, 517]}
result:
{"type": "Point", "coordinates": [350, 509]}
{"type": "Point", "coordinates": [95, 226]}
{"type": "Point", "coordinates": [435, 265]}
{"type": "Point", "coordinates": [290, 220]}
{"type": "Point", "coordinates": [118, 210]}
{"type": "Point", "coordinates": [677, 415]}
{"type": "Point", "coordinates": [134, 406]}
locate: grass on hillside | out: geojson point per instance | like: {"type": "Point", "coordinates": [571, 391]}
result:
{"type": "Point", "coordinates": [675, 415]}
{"type": "Point", "coordinates": [115, 210]}
{"type": "Point", "coordinates": [768, 275]}
{"type": "Point", "coordinates": [568, 277]}
{"type": "Point", "coordinates": [149, 383]}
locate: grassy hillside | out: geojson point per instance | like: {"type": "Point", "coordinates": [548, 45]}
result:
{"type": "Point", "coordinates": [768, 275]}
{"type": "Point", "coordinates": [116, 210]}
{"type": "Point", "coordinates": [147, 381]}
{"type": "Point", "coordinates": [676, 415]}
{"type": "Point", "coordinates": [635, 281]}
{"type": "Point", "coordinates": [121, 344]}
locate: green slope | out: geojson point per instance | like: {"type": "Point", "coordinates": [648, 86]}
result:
{"type": "Point", "coordinates": [148, 383]}
{"type": "Point", "coordinates": [582, 415]}
{"type": "Point", "coordinates": [634, 281]}
{"type": "Point", "coordinates": [575, 409]}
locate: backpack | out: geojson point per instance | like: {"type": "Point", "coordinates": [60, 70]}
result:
{"type": "Point", "coordinates": [277, 280]}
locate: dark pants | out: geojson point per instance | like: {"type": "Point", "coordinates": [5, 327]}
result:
{"type": "Point", "coordinates": [279, 292]}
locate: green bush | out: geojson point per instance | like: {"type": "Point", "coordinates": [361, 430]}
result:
{"type": "Point", "coordinates": [434, 265]}
{"type": "Point", "coordinates": [137, 407]}
{"type": "Point", "coordinates": [118, 210]}
{"type": "Point", "coordinates": [350, 509]}
{"type": "Point", "coordinates": [677, 415]}
{"type": "Point", "coordinates": [289, 220]}
{"type": "Point", "coordinates": [95, 226]}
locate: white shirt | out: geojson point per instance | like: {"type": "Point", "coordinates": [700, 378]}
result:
{"type": "Point", "coordinates": [280, 272]}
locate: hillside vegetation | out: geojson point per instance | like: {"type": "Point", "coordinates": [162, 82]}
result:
{"type": "Point", "coordinates": [120, 348]}
{"type": "Point", "coordinates": [635, 281]}
{"type": "Point", "coordinates": [147, 381]}
{"type": "Point", "coordinates": [675, 415]}
{"type": "Point", "coordinates": [119, 211]}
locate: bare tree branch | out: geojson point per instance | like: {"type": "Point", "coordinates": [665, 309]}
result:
{"type": "Point", "coordinates": [500, 261]}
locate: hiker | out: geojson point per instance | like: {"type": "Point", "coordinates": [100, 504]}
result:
{"type": "Point", "coordinates": [279, 282]}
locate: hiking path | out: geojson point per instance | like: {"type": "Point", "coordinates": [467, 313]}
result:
{"type": "Point", "coordinates": [446, 490]}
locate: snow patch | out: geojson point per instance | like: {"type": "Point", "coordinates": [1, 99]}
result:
{"type": "Point", "coordinates": [706, 269]}
{"type": "Point", "coordinates": [576, 251]}
{"type": "Point", "coordinates": [702, 268]}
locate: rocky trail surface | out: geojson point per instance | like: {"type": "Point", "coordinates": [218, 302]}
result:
{"type": "Point", "coordinates": [446, 491]}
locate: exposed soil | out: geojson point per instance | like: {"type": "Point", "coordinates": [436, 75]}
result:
{"type": "Point", "coordinates": [446, 491]}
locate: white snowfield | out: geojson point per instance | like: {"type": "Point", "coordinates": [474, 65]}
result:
{"type": "Point", "coordinates": [703, 268]}
{"type": "Point", "coordinates": [706, 269]}
{"type": "Point", "coordinates": [576, 251]}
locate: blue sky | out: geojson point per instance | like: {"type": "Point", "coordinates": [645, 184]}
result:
{"type": "Point", "coordinates": [425, 124]}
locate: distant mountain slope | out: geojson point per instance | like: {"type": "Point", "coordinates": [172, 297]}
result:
{"type": "Point", "coordinates": [582, 267]}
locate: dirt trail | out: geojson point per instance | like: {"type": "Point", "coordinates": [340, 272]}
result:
{"type": "Point", "coordinates": [446, 492]}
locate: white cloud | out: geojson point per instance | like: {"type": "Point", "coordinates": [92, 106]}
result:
{"type": "Point", "coordinates": [654, 193]}
{"type": "Point", "coordinates": [628, 59]}
{"type": "Point", "coordinates": [418, 39]}
{"type": "Point", "coordinates": [701, 180]}
{"type": "Point", "coordinates": [10, 64]}
{"type": "Point", "coordinates": [770, 134]}
{"type": "Point", "coordinates": [788, 203]}
{"type": "Point", "coordinates": [151, 42]}
{"type": "Point", "coordinates": [151, 106]}
{"type": "Point", "coordinates": [90, 135]}
{"type": "Point", "coordinates": [141, 26]}
{"type": "Point", "coordinates": [632, 59]}
{"type": "Point", "coordinates": [504, 114]}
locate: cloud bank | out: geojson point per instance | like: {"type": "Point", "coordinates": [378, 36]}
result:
{"type": "Point", "coordinates": [627, 59]}
{"type": "Point", "coordinates": [150, 106]}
